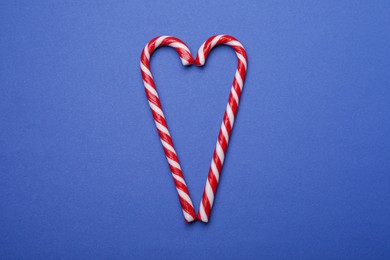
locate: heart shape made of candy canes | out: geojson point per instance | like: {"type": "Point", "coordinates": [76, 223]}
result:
{"type": "Point", "coordinates": [227, 123]}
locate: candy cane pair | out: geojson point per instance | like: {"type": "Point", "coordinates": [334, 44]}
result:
{"type": "Point", "coordinates": [227, 123]}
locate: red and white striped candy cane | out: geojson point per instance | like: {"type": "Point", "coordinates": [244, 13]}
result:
{"type": "Point", "coordinates": [159, 118]}
{"type": "Point", "coordinates": [227, 123]}
{"type": "Point", "coordinates": [228, 118]}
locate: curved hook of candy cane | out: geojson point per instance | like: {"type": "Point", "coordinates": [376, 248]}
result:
{"type": "Point", "coordinates": [159, 118]}
{"type": "Point", "coordinates": [228, 118]}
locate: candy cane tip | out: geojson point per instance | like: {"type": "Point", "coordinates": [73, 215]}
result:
{"type": "Point", "coordinates": [186, 62]}
{"type": "Point", "coordinates": [204, 220]}
{"type": "Point", "coordinates": [198, 63]}
{"type": "Point", "coordinates": [190, 220]}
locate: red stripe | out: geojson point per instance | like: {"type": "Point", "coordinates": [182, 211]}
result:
{"type": "Point", "coordinates": [227, 124]}
{"type": "Point", "coordinates": [217, 162]}
{"type": "Point", "coordinates": [206, 204]}
{"type": "Point", "coordinates": [222, 141]}
{"type": "Point", "coordinates": [212, 180]}
{"type": "Point", "coordinates": [176, 171]}
{"type": "Point", "coordinates": [237, 88]}
{"type": "Point", "coordinates": [187, 207]}
{"type": "Point", "coordinates": [233, 104]}
{"type": "Point", "coordinates": [171, 155]}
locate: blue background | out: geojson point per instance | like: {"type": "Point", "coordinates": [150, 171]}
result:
{"type": "Point", "coordinates": [83, 173]}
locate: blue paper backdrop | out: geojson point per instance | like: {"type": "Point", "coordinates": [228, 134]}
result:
{"type": "Point", "coordinates": [83, 174]}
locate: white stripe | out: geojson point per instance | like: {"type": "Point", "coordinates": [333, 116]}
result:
{"type": "Point", "coordinates": [184, 196]}
{"type": "Point", "coordinates": [209, 193]}
{"type": "Point", "coordinates": [178, 178]}
{"type": "Point", "coordinates": [168, 146]}
{"type": "Point", "coordinates": [220, 152]}
{"type": "Point", "coordinates": [235, 43]}
{"type": "Point", "coordinates": [179, 45]}
{"type": "Point", "coordinates": [173, 163]}
{"type": "Point", "coordinates": [156, 109]}
{"type": "Point", "coordinates": [230, 115]}
{"type": "Point", "coordinates": [224, 132]}
{"type": "Point", "coordinates": [162, 128]}
{"type": "Point", "coordinates": [146, 70]}
{"type": "Point", "coordinates": [243, 60]}
{"type": "Point", "coordinates": [150, 89]}
{"type": "Point", "coordinates": [146, 51]}
{"type": "Point", "coordinates": [201, 54]}
{"type": "Point", "coordinates": [215, 40]}
{"type": "Point", "coordinates": [239, 79]}
{"type": "Point", "coordinates": [159, 40]}
{"type": "Point", "coordinates": [235, 96]}
{"type": "Point", "coordinates": [203, 215]}
{"type": "Point", "coordinates": [215, 170]}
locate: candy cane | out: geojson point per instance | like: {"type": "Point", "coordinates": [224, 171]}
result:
{"type": "Point", "coordinates": [227, 123]}
{"type": "Point", "coordinates": [228, 118]}
{"type": "Point", "coordinates": [159, 118]}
